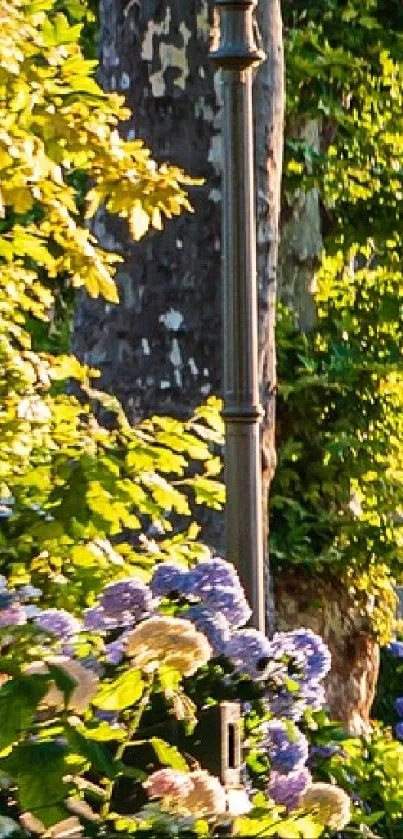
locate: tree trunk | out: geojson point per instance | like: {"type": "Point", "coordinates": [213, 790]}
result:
{"type": "Point", "coordinates": [269, 137]}
{"type": "Point", "coordinates": [160, 349]}
{"type": "Point", "coordinates": [321, 602]}
{"type": "Point", "coordinates": [301, 239]}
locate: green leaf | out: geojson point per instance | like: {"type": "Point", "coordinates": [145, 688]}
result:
{"type": "Point", "coordinates": [98, 756]}
{"type": "Point", "coordinates": [19, 699]}
{"type": "Point", "coordinates": [169, 755]}
{"type": "Point", "coordinates": [38, 768]}
{"type": "Point", "coordinates": [103, 732]}
{"type": "Point", "coordinates": [122, 693]}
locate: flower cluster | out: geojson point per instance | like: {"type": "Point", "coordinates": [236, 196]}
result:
{"type": "Point", "coordinates": [287, 789]}
{"type": "Point", "coordinates": [249, 651]}
{"type": "Point", "coordinates": [289, 668]}
{"type": "Point", "coordinates": [396, 648]}
{"type": "Point", "coordinates": [194, 793]}
{"type": "Point", "coordinates": [58, 622]}
{"type": "Point", "coordinates": [213, 582]}
{"type": "Point", "coordinates": [121, 604]}
{"type": "Point", "coordinates": [15, 609]}
{"type": "Point", "coordinates": [171, 642]}
{"type": "Point", "coordinates": [214, 627]}
{"type": "Point", "coordinates": [285, 745]}
{"type": "Point", "coordinates": [331, 805]}
{"type": "Point", "coordinates": [84, 683]}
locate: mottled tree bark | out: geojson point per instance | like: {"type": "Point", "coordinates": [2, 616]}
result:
{"type": "Point", "coordinates": [269, 133]}
{"type": "Point", "coordinates": [301, 239]}
{"type": "Point", "coordinates": [160, 349]}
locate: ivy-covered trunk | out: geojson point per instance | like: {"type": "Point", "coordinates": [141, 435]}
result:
{"type": "Point", "coordinates": [321, 600]}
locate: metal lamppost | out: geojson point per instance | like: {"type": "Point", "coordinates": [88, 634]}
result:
{"type": "Point", "coordinates": [236, 55]}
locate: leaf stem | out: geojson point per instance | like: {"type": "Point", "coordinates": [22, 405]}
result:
{"type": "Point", "coordinates": [131, 730]}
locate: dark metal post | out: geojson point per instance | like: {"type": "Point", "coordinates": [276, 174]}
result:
{"type": "Point", "coordinates": [236, 54]}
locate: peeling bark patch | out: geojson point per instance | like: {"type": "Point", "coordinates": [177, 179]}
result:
{"type": "Point", "coordinates": [172, 320]}
{"type": "Point", "coordinates": [193, 367]}
{"type": "Point", "coordinates": [164, 55]}
{"type": "Point", "coordinates": [157, 29]}
{"type": "Point", "coordinates": [170, 57]}
{"type": "Point", "coordinates": [215, 195]}
{"type": "Point", "coordinates": [215, 152]}
{"type": "Point", "coordinates": [125, 81]}
{"type": "Point", "coordinates": [202, 21]}
{"type": "Point", "coordinates": [175, 354]}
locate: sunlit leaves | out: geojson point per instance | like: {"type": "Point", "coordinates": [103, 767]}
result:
{"type": "Point", "coordinates": [124, 692]}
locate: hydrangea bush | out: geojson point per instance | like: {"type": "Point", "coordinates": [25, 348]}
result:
{"type": "Point", "coordinates": [88, 702]}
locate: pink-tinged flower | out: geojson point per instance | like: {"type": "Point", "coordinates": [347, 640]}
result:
{"type": "Point", "coordinates": [195, 794]}
{"type": "Point", "coordinates": [15, 615]}
{"type": "Point", "coordinates": [207, 798]}
{"type": "Point", "coordinates": [168, 783]}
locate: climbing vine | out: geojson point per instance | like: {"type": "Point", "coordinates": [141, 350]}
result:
{"type": "Point", "coordinates": [337, 494]}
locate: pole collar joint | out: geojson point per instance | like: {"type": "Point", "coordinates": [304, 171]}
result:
{"type": "Point", "coordinates": [238, 413]}
{"type": "Point", "coordinates": [237, 49]}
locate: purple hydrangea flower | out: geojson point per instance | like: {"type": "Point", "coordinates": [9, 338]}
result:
{"type": "Point", "coordinates": [399, 705]}
{"type": "Point", "coordinates": [58, 622]}
{"type": "Point", "coordinates": [214, 572]}
{"type": "Point", "coordinates": [283, 649]}
{"type": "Point", "coordinates": [287, 789]}
{"type": "Point", "coordinates": [249, 651]}
{"type": "Point", "coordinates": [95, 620]}
{"type": "Point", "coordinates": [15, 615]}
{"type": "Point", "coordinates": [168, 578]}
{"type": "Point", "coordinates": [396, 648]}
{"type": "Point", "coordinates": [106, 716]}
{"type": "Point", "coordinates": [313, 694]}
{"type": "Point", "coordinates": [285, 704]}
{"type": "Point", "coordinates": [286, 751]}
{"type": "Point", "coordinates": [115, 651]}
{"type": "Point", "coordinates": [214, 626]}
{"type": "Point", "coordinates": [129, 598]}
{"type": "Point", "coordinates": [315, 651]}
{"type": "Point", "coordinates": [324, 752]}
{"type": "Point", "coordinates": [217, 584]}
{"type": "Point", "coordinates": [399, 731]}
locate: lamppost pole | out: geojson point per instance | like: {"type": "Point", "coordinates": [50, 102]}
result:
{"type": "Point", "coordinates": [236, 54]}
